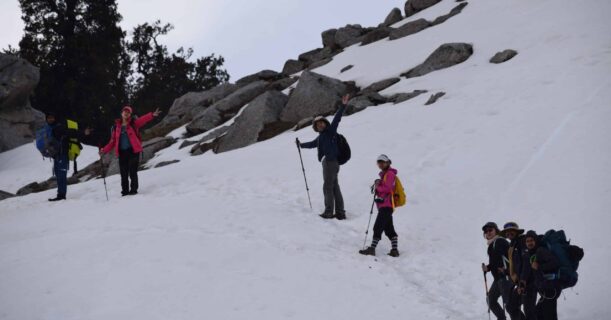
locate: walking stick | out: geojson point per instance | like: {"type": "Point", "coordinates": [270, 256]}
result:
{"type": "Point", "coordinates": [487, 292]}
{"type": "Point", "coordinates": [304, 174]}
{"type": "Point", "coordinates": [104, 176]}
{"type": "Point", "coordinates": [369, 223]}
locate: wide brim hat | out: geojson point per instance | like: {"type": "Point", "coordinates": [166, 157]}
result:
{"type": "Point", "coordinates": [511, 226]}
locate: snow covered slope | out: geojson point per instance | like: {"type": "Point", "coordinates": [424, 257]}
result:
{"type": "Point", "coordinates": [230, 236]}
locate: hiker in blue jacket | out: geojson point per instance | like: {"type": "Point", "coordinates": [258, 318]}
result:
{"type": "Point", "coordinates": [328, 152]}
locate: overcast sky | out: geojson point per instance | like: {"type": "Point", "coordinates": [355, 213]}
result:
{"type": "Point", "coordinates": [251, 34]}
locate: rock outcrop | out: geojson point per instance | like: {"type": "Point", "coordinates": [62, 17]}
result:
{"type": "Point", "coordinates": [409, 29]}
{"type": "Point", "coordinates": [18, 120]}
{"type": "Point", "coordinates": [314, 95]}
{"type": "Point", "coordinates": [434, 98]}
{"type": "Point", "coordinates": [445, 56]}
{"type": "Point", "coordinates": [503, 56]}
{"type": "Point", "coordinates": [393, 17]}
{"type": "Point", "coordinates": [261, 113]}
{"type": "Point", "coordinates": [226, 108]}
{"type": "Point", "coordinates": [414, 6]}
{"type": "Point", "coordinates": [187, 106]}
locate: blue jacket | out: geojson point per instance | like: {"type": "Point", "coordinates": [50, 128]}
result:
{"type": "Point", "coordinates": [326, 142]}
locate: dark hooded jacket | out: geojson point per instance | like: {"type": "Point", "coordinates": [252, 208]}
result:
{"type": "Point", "coordinates": [548, 264]}
{"type": "Point", "coordinates": [326, 142]}
{"type": "Point", "coordinates": [497, 253]}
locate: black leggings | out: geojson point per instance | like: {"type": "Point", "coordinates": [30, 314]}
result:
{"type": "Point", "coordinates": [384, 224]}
{"type": "Point", "coordinates": [128, 164]}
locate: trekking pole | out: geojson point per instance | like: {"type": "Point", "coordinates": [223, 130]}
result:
{"type": "Point", "coordinates": [104, 176]}
{"type": "Point", "coordinates": [369, 223]}
{"type": "Point", "coordinates": [304, 174]}
{"type": "Point", "coordinates": [487, 293]}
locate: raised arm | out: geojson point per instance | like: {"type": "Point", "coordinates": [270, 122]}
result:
{"type": "Point", "coordinates": [340, 112]}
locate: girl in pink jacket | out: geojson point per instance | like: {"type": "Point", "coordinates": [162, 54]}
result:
{"type": "Point", "coordinates": [125, 141]}
{"type": "Point", "coordinates": [384, 197]}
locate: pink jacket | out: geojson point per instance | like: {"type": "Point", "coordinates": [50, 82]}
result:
{"type": "Point", "coordinates": [386, 188]}
{"type": "Point", "coordinates": [132, 133]}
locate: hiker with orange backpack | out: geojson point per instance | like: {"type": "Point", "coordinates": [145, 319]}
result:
{"type": "Point", "coordinates": [125, 140]}
{"type": "Point", "coordinates": [389, 194]}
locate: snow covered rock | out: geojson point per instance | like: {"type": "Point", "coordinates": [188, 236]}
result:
{"type": "Point", "coordinates": [456, 10]}
{"type": "Point", "coordinates": [414, 6]}
{"type": "Point", "coordinates": [382, 84]}
{"type": "Point", "coordinates": [226, 108]}
{"type": "Point", "coordinates": [187, 106]}
{"type": "Point", "coordinates": [328, 39]}
{"type": "Point", "coordinates": [260, 113]}
{"type": "Point", "coordinates": [293, 66]}
{"type": "Point", "coordinates": [18, 120]}
{"type": "Point", "coordinates": [409, 28]}
{"type": "Point", "coordinates": [267, 75]}
{"type": "Point", "coordinates": [445, 56]}
{"type": "Point", "coordinates": [5, 195]}
{"type": "Point", "coordinates": [348, 35]}
{"type": "Point", "coordinates": [503, 56]}
{"type": "Point", "coordinates": [376, 35]}
{"type": "Point", "coordinates": [434, 98]}
{"type": "Point", "coordinates": [401, 97]}
{"type": "Point", "coordinates": [314, 95]}
{"type": "Point", "coordinates": [393, 17]}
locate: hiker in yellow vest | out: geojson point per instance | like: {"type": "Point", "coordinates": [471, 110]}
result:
{"type": "Point", "coordinates": [512, 232]}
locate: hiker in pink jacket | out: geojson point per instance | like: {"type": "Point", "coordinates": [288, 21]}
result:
{"type": "Point", "coordinates": [126, 142]}
{"type": "Point", "coordinates": [384, 195]}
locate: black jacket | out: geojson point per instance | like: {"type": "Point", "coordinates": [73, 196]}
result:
{"type": "Point", "coordinates": [519, 247]}
{"type": "Point", "coordinates": [326, 142]}
{"type": "Point", "coordinates": [497, 255]}
{"type": "Point", "coordinates": [548, 263]}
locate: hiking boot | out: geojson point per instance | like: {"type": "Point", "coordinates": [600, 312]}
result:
{"type": "Point", "coordinates": [124, 193]}
{"type": "Point", "coordinates": [394, 253]}
{"type": "Point", "coordinates": [340, 216]}
{"type": "Point", "coordinates": [327, 215]}
{"type": "Point", "coordinates": [370, 251]}
{"type": "Point", "coordinates": [133, 192]}
{"type": "Point", "coordinates": [58, 198]}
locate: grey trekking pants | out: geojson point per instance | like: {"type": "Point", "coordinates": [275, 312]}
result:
{"type": "Point", "coordinates": [333, 195]}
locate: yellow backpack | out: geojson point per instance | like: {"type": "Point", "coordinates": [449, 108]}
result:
{"type": "Point", "coordinates": [399, 198]}
{"type": "Point", "coordinates": [74, 146]}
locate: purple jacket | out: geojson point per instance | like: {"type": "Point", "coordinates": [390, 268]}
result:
{"type": "Point", "coordinates": [386, 188]}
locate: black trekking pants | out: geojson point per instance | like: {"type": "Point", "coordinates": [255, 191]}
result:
{"type": "Point", "coordinates": [529, 300]}
{"type": "Point", "coordinates": [128, 164]}
{"type": "Point", "coordinates": [384, 224]}
{"type": "Point", "coordinates": [499, 288]}
{"type": "Point", "coordinates": [514, 303]}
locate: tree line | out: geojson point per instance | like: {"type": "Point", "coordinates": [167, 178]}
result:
{"type": "Point", "coordinates": [90, 68]}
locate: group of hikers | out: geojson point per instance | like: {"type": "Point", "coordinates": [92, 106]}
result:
{"type": "Point", "coordinates": [59, 140]}
{"type": "Point", "coordinates": [525, 266]}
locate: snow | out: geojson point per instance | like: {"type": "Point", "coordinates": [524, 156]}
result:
{"type": "Point", "coordinates": [25, 164]}
{"type": "Point", "coordinates": [231, 236]}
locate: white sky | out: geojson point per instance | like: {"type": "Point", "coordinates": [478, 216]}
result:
{"type": "Point", "coordinates": [251, 34]}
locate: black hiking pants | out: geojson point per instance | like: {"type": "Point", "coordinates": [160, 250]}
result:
{"type": "Point", "coordinates": [514, 303]}
{"type": "Point", "coordinates": [500, 288]}
{"type": "Point", "coordinates": [384, 224]}
{"type": "Point", "coordinates": [529, 300]}
{"type": "Point", "coordinates": [547, 307]}
{"type": "Point", "coordinates": [128, 164]}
